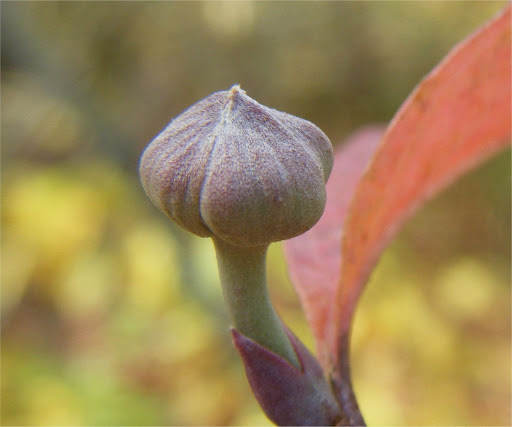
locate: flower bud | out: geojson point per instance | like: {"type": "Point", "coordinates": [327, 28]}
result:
{"type": "Point", "coordinates": [231, 168]}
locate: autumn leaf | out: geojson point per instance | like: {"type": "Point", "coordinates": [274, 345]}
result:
{"type": "Point", "coordinates": [313, 258]}
{"type": "Point", "coordinates": [456, 118]}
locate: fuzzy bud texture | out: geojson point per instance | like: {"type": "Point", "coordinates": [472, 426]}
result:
{"type": "Point", "coordinates": [232, 168]}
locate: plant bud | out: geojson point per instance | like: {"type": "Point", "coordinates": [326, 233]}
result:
{"type": "Point", "coordinates": [236, 170]}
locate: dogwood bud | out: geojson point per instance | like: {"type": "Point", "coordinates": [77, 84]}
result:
{"type": "Point", "coordinates": [233, 169]}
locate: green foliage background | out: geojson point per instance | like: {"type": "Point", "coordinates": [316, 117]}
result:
{"type": "Point", "coordinates": [111, 315]}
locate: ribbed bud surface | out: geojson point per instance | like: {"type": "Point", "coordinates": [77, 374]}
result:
{"type": "Point", "coordinates": [231, 167]}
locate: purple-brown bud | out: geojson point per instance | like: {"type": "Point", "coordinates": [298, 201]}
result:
{"type": "Point", "coordinates": [232, 168]}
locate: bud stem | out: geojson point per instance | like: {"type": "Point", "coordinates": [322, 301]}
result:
{"type": "Point", "coordinates": [242, 273]}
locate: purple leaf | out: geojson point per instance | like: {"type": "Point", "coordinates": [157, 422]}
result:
{"type": "Point", "coordinates": [289, 396]}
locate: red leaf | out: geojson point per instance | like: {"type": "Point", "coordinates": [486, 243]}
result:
{"type": "Point", "coordinates": [314, 258]}
{"type": "Point", "coordinates": [456, 118]}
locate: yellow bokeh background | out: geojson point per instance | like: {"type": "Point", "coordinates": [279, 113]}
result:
{"type": "Point", "coordinates": [112, 315]}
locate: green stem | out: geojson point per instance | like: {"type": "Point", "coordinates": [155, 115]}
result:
{"type": "Point", "coordinates": [243, 277]}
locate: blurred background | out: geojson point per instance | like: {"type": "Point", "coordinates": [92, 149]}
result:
{"type": "Point", "coordinates": [111, 315]}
